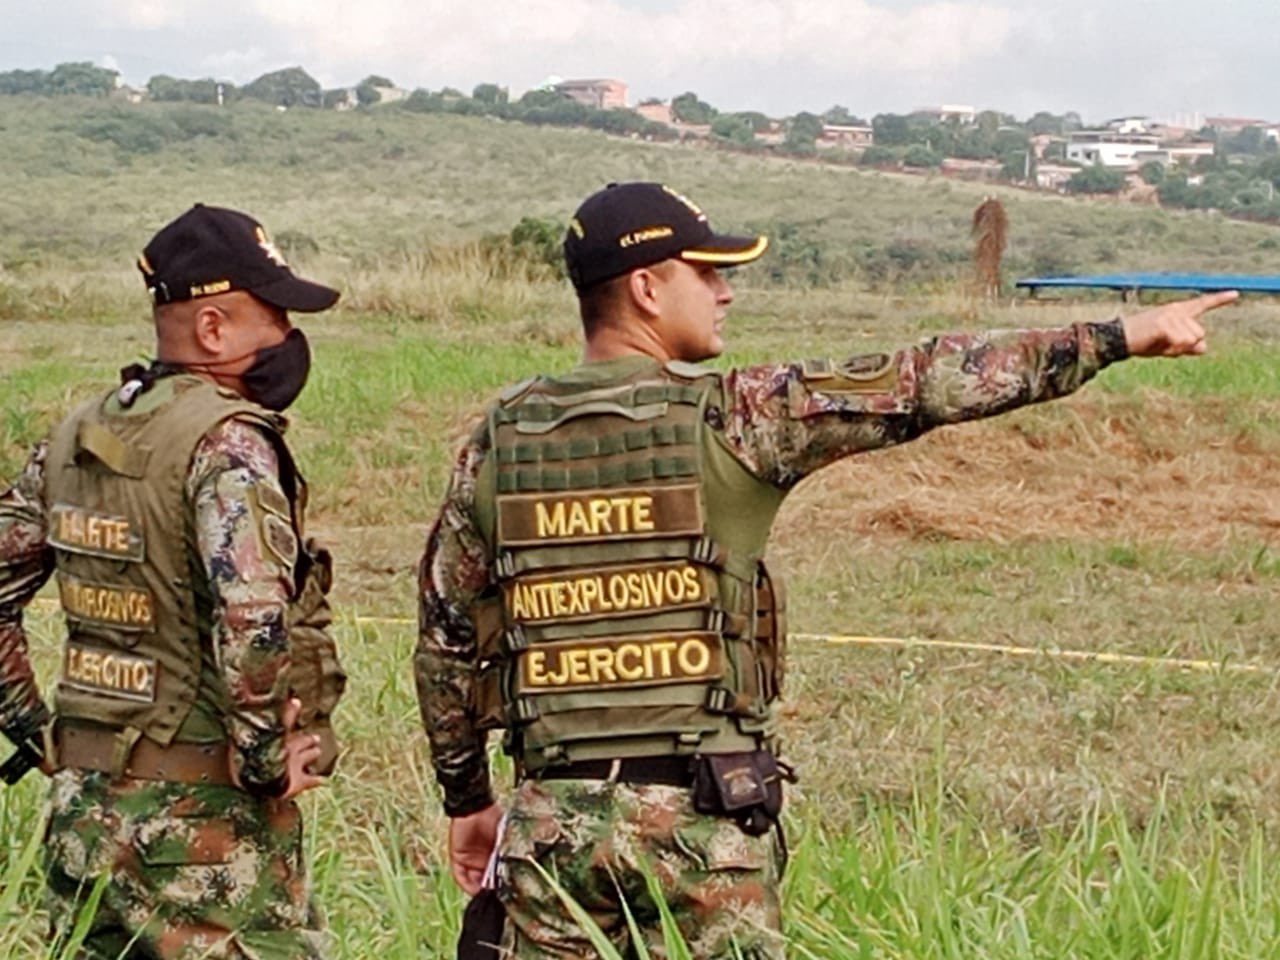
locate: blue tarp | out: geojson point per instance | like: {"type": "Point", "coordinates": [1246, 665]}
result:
{"type": "Point", "coordinates": [1203, 282]}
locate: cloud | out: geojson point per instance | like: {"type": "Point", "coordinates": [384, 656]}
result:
{"type": "Point", "coordinates": [779, 56]}
{"type": "Point", "coordinates": [495, 40]}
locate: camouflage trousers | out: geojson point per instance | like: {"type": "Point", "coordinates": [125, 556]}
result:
{"type": "Point", "coordinates": [193, 871]}
{"type": "Point", "coordinates": [601, 842]}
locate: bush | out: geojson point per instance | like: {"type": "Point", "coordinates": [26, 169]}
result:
{"type": "Point", "coordinates": [1096, 180]}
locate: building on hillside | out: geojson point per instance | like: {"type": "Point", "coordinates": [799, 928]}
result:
{"type": "Point", "coordinates": [656, 111]}
{"type": "Point", "coordinates": [962, 169]}
{"type": "Point", "coordinates": [1054, 176]}
{"type": "Point", "coordinates": [848, 136]}
{"type": "Point", "coordinates": [951, 113]}
{"type": "Point", "coordinates": [1120, 151]}
{"type": "Point", "coordinates": [600, 94]}
{"type": "Point", "coordinates": [1189, 151]}
{"type": "Point", "coordinates": [1129, 125]}
{"type": "Point", "coordinates": [390, 94]}
{"type": "Point", "coordinates": [1233, 124]}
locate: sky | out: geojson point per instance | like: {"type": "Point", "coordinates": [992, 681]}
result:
{"type": "Point", "coordinates": [1101, 58]}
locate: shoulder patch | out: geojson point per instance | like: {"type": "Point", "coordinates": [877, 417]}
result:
{"type": "Point", "coordinates": [865, 373]}
{"type": "Point", "coordinates": [279, 539]}
{"type": "Point", "coordinates": [272, 500]}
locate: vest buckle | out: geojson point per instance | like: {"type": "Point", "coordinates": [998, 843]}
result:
{"type": "Point", "coordinates": [523, 710]}
{"type": "Point", "coordinates": [706, 551]}
{"type": "Point", "coordinates": [687, 743]}
{"type": "Point", "coordinates": [514, 640]}
{"type": "Point", "coordinates": [720, 700]}
{"type": "Point", "coordinates": [504, 567]}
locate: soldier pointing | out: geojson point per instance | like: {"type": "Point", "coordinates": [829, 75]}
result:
{"type": "Point", "coordinates": [595, 585]}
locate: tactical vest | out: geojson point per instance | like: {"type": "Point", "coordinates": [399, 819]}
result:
{"type": "Point", "coordinates": [137, 603]}
{"type": "Point", "coordinates": [627, 541]}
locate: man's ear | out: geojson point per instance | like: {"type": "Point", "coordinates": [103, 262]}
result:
{"type": "Point", "coordinates": [642, 286]}
{"type": "Point", "coordinates": [210, 328]}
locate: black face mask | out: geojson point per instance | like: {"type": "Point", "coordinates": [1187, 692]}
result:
{"type": "Point", "coordinates": [278, 374]}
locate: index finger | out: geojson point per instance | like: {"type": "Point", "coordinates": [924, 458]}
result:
{"type": "Point", "coordinates": [1212, 301]}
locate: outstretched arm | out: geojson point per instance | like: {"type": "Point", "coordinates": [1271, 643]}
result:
{"type": "Point", "coordinates": [786, 420]}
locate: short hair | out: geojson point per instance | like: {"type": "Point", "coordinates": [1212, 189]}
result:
{"type": "Point", "coordinates": [598, 303]}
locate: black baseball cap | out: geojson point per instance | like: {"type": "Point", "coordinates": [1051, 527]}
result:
{"type": "Point", "coordinates": [626, 226]}
{"type": "Point", "coordinates": [211, 250]}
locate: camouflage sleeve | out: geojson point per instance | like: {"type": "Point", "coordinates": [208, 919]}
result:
{"type": "Point", "coordinates": [787, 420]}
{"type": "Point", "coordinates": [245, 538]}
{"type": "Point", "coordinates": [26, 561]}
{"type": "Point", "coordinates": [453, 573]}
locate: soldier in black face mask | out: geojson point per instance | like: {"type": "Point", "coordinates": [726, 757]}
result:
{"type": "Point", "coordinates": [198, 676]}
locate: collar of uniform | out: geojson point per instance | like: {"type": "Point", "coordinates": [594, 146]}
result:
{"type": "Point", "coordinates": [603, 371]}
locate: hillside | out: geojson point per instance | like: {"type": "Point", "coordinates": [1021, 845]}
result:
{"type": "Point", "coordinates": [86, 182]}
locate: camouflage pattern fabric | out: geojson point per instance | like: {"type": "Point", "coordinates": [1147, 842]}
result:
{"type": "Point", "coordinates": [250, 581]}
{"type": "Point", "coordinates": [26, 562]}
{"type": "Point", "coordinates": [599, 839]}
{"type": "Point", "coordinates": [196, 871]}
{"type": "Point", "coordinates": [782, 429]}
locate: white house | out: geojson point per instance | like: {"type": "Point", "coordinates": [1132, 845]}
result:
{"type": "Point", "coordinates": [1106, 148]}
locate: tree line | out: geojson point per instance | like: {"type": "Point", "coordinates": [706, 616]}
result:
{"type": "Point", "coordinates": [1241, 178]}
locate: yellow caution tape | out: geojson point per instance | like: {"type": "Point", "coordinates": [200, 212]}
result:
{"type": "Point", "coordinates": [1011, 650]}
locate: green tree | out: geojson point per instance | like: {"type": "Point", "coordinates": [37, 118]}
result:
{"type": "Point", "coordinates": [687, 108]}
{"type": "Point", "coordinates": [1096, 180]}
{"type": "Point", "coordinates": [1152, 173]}
{"type": "Point", "coordinates": [803, 130]}
{"type": "Point", "coordinates": [921, 157]}
{"type": "Point", "coordinates": [81, 80]}
{"type": "Point", "coordinates": [165, 88]}
{"type": "Point", "coordinates": [733, 128]}
{"type": "Point", "coordinates": [367, 95]}
{"type": "Point", "coordinates": [14, 82]}
{"type": "Point", "coordinates": [892, 130]}
{"type": "Point", "coordinates": [841, 117]}
{"type": "Point", "coordinates": [291, 87]}
{"type": "Point", "coordinates": [490, 94]}
{"type": "Point", "coordinates": [878, 155]}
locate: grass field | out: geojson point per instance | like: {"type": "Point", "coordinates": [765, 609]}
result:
{"type": "Point", "coordinates": [953, 804]}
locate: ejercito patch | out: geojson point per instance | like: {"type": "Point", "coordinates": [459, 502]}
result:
{"type": "Point", "coordinates": [111, 673]}
{"type": "Point", "coordinates": [608, 663]}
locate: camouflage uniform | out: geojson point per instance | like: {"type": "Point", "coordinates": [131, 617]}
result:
{"type": "Point", "coordinates": [595, 835]}
{"type": "Point", "coordinates": [195, 870]}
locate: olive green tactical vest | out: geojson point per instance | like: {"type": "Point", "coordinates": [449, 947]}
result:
{"type": "Point", "coordinates": [627, 544]}
{"type": "Point", "coordinates": [138, 656]}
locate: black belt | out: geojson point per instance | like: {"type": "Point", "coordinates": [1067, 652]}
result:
{"type": "Point", "coordinates": [667, 771]}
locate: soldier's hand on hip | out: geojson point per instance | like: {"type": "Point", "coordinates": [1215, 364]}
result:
{"type": "Point", "coordinates": [301, 750]}
{"type": "Point", "coordinates": [471, 842]}
{"type": "Point", "coordinates": [1174, 329]}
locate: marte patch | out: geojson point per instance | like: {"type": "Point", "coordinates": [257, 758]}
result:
{"type": "Point", "coordinates": [587, 515]}
{"type": "Point", "coordinates": [94, 534]}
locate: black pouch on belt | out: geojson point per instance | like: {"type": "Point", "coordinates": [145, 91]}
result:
{"type": "Point", "coordinates": [482, 924]}
{"type": "Point", "coordinates": [744, 786]}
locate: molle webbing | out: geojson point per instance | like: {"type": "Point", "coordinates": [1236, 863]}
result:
{"type": "Point", "coordinates": [610, 586]}
{"type": "Point", "coordinates": [129, 584]}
